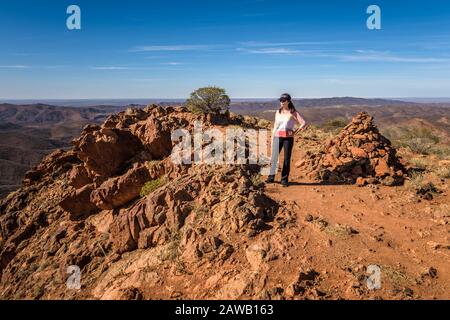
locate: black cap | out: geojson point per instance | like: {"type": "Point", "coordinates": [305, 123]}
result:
{"type": "Point", "coordinates": [285, 96]}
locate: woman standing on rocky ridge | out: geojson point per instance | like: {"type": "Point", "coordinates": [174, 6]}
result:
{"type": "Point", "coordinates": [283, 137]}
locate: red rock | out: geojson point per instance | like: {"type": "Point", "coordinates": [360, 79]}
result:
{"type": "Point", "coordinates": [155, 136]}
{"type": "Point", "coordinates": [368, 147]}
{"type": "Point", "coordinates": [78, 202]}
{"type": "Point", "coordinates": [78, 177]}
{"type": "Point", "coordinates": [105, 151]}
{"type": "Point", "coordinates": [329, 159]}
{"type": "Point", "coordinates": [150, 220]}
{"type": "Point", "coordinates": [57, 162]}
{"type": "Point", "coordinates": [382, 168]}
{"type": "Point", "coordinates": [116, 192]}
{"type": "Point", "coordinates": [352, 155]}
{"type": "Point", "coordinates": [360, 181]}
{"type": "Point", "coordinates": [299, 163]}
{"type": "Point", "coordinates": [122, 238]}
{"type": "Point", "coordinates": [358, 152]}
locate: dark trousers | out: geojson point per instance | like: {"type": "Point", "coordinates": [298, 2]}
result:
{"type": "Point", "coordinates": [278, 144]}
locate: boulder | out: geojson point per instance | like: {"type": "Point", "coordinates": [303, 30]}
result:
{"type": "Point", "coordinates": [155, 136]}
{"type": "Point", "coordinates": [78, 203]}
{"type": "Point", "coordinates": [78, 177]}
{"type": "Point", "coordinates": [105, 150]}
{"type": "Point", "coordinates": [116, 192]}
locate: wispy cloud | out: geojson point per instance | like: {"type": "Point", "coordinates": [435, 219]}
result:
{"type": "Point", "coordinates": [376, 56]}
{"type": "Point", "coordinates": [270, 50]}
{"type": "Point", "coordinates": [191, 47]}
{"type": "Point", "coordinates": [162, 66]}
{"type": "Point", "coordinates": [261, 14]}
{"type": "Point", "coordinates": [111, 68]}
{"type": "Point", "coordinates": [26, 54]}
{"type": "Point", "coordinates": [17, 66]}
{"type": "Point", "coordinates": [257, 47]}
{"type": "Point", "coordinates": [288, 44]}
{"type": "Point", "coordinates": [172, 63]}
{"type": "Point", "coordinates": [351, 56]}
{"type": "Point", "coordinates": [21, 66]}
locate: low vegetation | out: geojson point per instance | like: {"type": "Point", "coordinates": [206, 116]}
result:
{"type": "Point", "coordinates": [152, 185]}
{"type": "Point", "coordinates": [171, 251]}
{"type": "Point", "coordinates": [335, 125]}
{"type": "Point", "coordinates": [417, 139]}
{"type": "Point", "coordinates": [256, 180]}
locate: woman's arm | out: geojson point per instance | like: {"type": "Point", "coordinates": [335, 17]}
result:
{"type": "Point", "coordinates": [300, 120]}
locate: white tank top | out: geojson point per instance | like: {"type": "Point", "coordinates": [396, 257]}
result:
{"type": "Point", "coordinates": [285, 123]}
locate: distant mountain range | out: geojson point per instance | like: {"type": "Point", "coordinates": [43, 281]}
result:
{"type": "Point", "coordinates": [164, 101]}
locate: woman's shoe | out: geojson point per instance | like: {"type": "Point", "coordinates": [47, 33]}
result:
{"type": "Point", "coordinates": [285, 183]}
{"type": "Point", "coordinates": [270, 179]}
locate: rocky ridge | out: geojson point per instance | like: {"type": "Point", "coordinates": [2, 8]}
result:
{"type": "Point", "coordinates": [199, 232]}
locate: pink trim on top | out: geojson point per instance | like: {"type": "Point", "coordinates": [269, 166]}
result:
{"type": "Point", "coordinates": [285, 123]}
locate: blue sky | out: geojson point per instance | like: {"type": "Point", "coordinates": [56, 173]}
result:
{"type": "Point", "coordinates": [252, 48]}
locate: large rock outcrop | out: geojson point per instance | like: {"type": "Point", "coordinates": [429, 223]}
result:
{"type": "Point", "coordinates": [112, 157]}
{"type": "Point", "coordinates": [154, 219]}
{"type": "Point", "coordinates": [105, 150]}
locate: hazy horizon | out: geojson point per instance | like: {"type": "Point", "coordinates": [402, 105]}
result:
{"type": "Point", "coordinates": [144, 101]}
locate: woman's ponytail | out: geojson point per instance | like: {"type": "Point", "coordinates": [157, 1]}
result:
{"type": "Point", "coordinates": [292, 107]}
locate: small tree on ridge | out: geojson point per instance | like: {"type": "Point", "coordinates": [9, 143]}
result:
{"type": "Point", "coordinates": [208, 100]}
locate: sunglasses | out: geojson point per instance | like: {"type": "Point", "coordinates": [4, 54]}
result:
{"type": "Point", "coordinates": [283, 100]}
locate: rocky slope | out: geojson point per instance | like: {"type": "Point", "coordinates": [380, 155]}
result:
{"type": "Point", "coordinates": [83, 206]}
{"type": "Point", "coordinates": [140, 227]}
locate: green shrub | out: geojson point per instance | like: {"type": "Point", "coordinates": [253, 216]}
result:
{"type": "Point", "coordinates": [335, 124]}
{"type": "Point", "coordinates": [420, 163]}
{"type": "Point", "coordinates": [417, 145]}
{"type": "Point", "coordinates": [416, 180]}
{"type": "Point", "coordinates": [442, 151]}
{"type": "Point", "coordinates": [208, 100]}
{"type": "Point", "coordinates": [418, 140]}
{"type": "Point", "coordinates": [152, 185]}
{"type": "Point", "coordinates": [256, 179]}
{"type": "Point", "coordinates": [422, 133]}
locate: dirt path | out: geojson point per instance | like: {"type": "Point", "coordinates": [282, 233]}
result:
{"type": "Point", "coordinates": [342, 229]}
